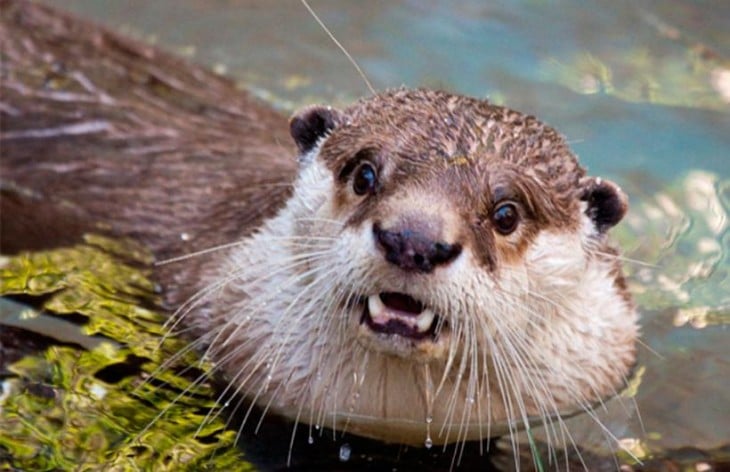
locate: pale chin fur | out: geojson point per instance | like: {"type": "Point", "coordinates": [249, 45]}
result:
{"type": "Point", "coordinates": [551, 336]}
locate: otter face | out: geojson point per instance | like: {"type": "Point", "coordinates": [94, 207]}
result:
{"type": "Point", "coordinates": [450, 268]}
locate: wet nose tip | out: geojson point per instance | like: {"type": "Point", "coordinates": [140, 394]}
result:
{"type": "Point", "coordinates": [413, 251]}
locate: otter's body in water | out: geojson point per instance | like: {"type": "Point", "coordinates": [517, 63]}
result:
{"type": "Point", "coordinates": [440, 270]}
{"type": "Point", "coordinates": [431, 268]}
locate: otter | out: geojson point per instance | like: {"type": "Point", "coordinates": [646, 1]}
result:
{"type": "Point", "coordinates": [419, 267]}
{"type": "Point", "coordinates": [440, 271]}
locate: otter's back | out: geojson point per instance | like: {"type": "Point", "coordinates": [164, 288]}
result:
{"type": "Point", "coordinates": [105, 134]}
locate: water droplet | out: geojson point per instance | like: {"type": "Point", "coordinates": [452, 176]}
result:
{"type": "Point", "coordinates": [310, 439]}
{"type": "Point", "coordinates": [345, 452]}
{"type": "Point", "coordinates": [185, 236]}
{"type": "Point", "coordinates": [316, 426]}
{"type": "Point", "coordinates": [429, 419]}
{"type": "Point", "coordinates": [428, 443]}
{"type": "Point", "coordinates": [470, 400]}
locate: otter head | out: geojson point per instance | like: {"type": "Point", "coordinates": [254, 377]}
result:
{"type": "Point", "coordinates": [446, 274]}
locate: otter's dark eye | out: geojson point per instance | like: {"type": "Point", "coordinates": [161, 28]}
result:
{"type": "Point", "coordinates": [366, 179]}
{"type": "Point", "coordinates": [505, 218]}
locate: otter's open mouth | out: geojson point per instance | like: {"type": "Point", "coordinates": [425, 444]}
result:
{"type": "Point", "coordinates": [400, 314]}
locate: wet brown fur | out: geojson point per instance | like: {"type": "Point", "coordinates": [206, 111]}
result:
{"type": "Point", "coordinates": [180, 160]}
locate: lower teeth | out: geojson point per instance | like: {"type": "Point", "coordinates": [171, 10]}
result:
{"type": "Point", "coordinates": [380, 314]}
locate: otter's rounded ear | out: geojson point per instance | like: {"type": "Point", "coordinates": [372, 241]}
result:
{"type": "Point", "coordinates": [308, 125]}
{"type": "Point", "coordinates": [607, 204]}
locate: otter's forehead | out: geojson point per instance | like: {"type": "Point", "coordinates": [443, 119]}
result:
{"type": "Point", "coordinates": [464, 145]}
{"type": "Point", "coordinates": [426, 124]}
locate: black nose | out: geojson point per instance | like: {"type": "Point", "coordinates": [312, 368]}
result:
{"type": "Point", "coordinates": [413, 251]}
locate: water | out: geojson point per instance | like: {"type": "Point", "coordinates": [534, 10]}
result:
{"type": "Point", "coordinates": [640, 88]}
{"type": "Point", "coordinates": [345, 452]}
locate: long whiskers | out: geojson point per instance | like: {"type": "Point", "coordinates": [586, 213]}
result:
{"type": "Point", "coordinates": [339, 45]}
{"type": "Point", "coordinates": [623, 258]}
{"type": "Point", "coordinates": [222, 247]}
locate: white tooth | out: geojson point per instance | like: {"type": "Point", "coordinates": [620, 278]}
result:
{"type": "Point", "coordinates": [424, 320]}
{"type": "Point", "coordinates": [375, 305]}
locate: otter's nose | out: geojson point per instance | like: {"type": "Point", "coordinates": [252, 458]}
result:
{"type": "Point", "coordinates": [414, 251]}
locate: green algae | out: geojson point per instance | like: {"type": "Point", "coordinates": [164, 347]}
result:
{"type": "Point", "coordinates": [123, 404]}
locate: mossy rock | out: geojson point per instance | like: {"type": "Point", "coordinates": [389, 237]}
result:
{"type": "Point", "coordinates": [109, 395]}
